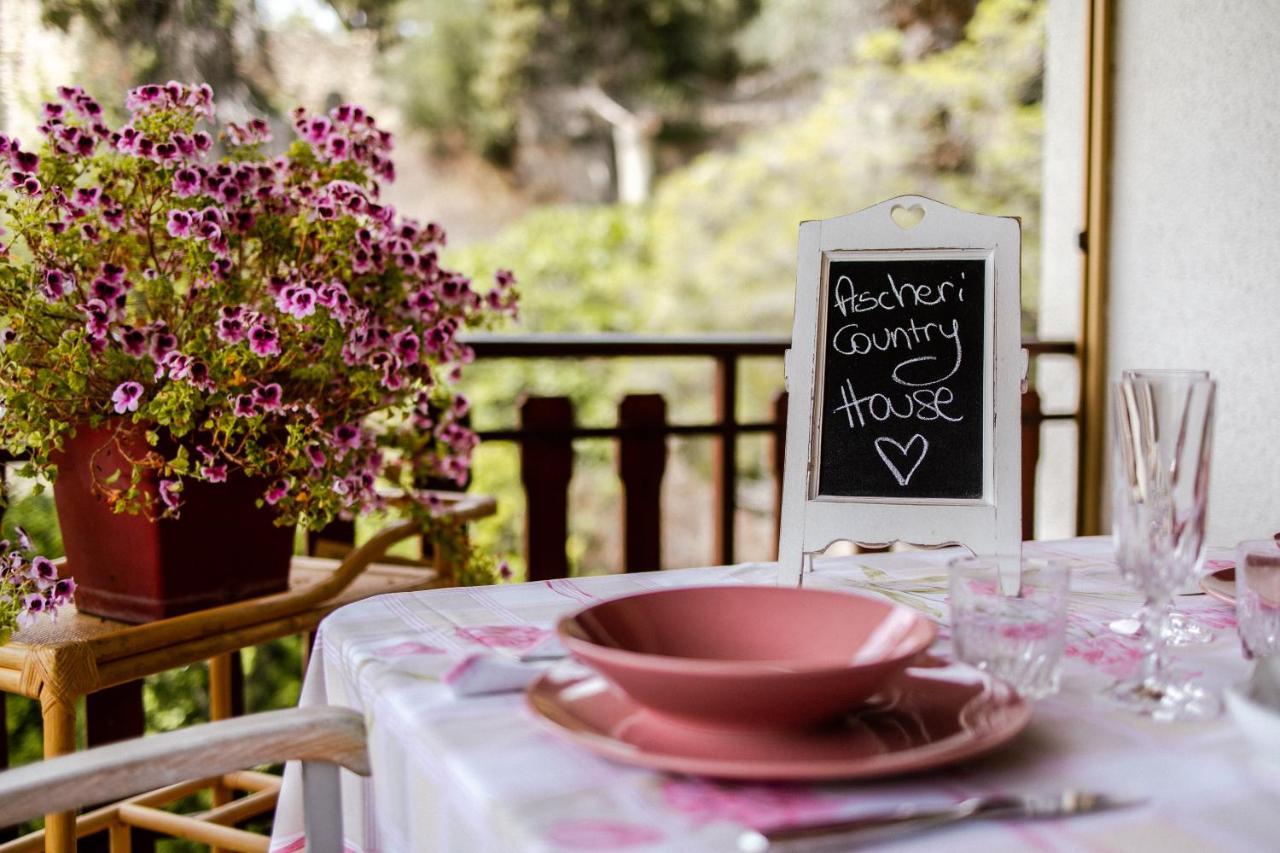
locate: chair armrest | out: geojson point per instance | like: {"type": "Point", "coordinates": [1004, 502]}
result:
{"type": "Point", "coordinates": [332, 735]}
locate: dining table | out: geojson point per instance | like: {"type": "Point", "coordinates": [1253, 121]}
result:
{"type": "Point", "coordinates": [481, 773]}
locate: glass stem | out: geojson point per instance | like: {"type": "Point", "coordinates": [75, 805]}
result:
{"type": "Point", "coordinates": [1155, 618]}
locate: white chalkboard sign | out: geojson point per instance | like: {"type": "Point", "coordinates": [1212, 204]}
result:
{"type": "Point", "coordinates": [904, 421]}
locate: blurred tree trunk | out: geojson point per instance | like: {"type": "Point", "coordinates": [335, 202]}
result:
{"type": "Point", "coordinates": [929, 26]}
{"type": "Point", "coordinates": [633, 134]}
{"type": "Point", "coordinates": [219, 42]}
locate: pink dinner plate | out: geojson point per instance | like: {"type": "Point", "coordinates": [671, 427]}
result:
{"type": "Point", "coordinates": [1221, 585]}
{"type": "Point", "coordinates": [928, 718]}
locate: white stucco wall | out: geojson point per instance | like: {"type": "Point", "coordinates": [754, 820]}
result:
{"type": "Point", "coordinates": [1195, 259]}
{"type": "Point", "coordinates": [1062, 212]}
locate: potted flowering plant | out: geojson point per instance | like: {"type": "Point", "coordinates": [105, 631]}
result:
{"type": "Point", "coordinates": [206, 351]}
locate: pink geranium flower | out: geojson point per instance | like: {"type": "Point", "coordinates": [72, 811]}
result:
{"type": "Point", "coordinates": [43, 572]}
{"type": "Point", "coordinates": [297, 300]}
{"type": "Point", "coordinates": [231, 330]}
{"type": "Point", "coordinates": [244, 406]}
{"type": "Point", "coordinates": [161, 344]}
{"type": "Point", "coordinates": [179, 223]}
{"type": "Point", "coordinates": [277, 491]}
{"type": "Point", "coordinates": [264, 340]}
{"type": "Point", "coordinates": [34, 603]}
{"type": "Point", "coordinates": [133, 342]}
{"type": "Point", "coordinates": [346, 436]}
{"type": "Point", "coordinates": [214, 473]}
{"type": "Point", "coordinates": [170, 493]}
{"type": "Point", "coordinates": [126, 397]}
{"type": "Point", "coordinates": [64, 590]}
{"type": "Point", "coordinates": [268, 397]}
{"type": "Point", "coordinates": [56, 285]}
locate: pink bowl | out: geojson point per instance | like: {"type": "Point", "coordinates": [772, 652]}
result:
{"type": "Point", "coordinates": [748, 656]}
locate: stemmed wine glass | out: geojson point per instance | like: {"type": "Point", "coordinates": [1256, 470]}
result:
{"type": "Point", "coordinates": [1163, 441]}
{"type": "Point", "coordinates": [1179, 630]}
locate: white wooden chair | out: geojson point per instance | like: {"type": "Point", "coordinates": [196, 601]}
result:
{"type": "Point", "coordinates": [323, 739]}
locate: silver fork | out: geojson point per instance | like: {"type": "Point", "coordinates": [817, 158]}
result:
{"type": "Point", "coordinates": [882, 826]}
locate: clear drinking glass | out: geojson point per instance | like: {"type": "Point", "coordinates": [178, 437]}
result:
{"type": "Point", "coordinates": [1258, 597]}
{"type": "Point", "coordinates": [1016, 631]}
{"type": "Point", "coordinates": [1179, 629]}
{"type": "Point", "coordinates": [1163, 442]}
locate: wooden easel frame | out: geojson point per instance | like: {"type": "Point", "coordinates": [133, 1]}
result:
{"type": "Point", "coordinates": [990, 524]}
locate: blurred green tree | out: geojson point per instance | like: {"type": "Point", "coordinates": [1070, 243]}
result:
{"type": "Point", "coordinates": [219, 42]}
{"type": "Point", "coordinates": [498, 74]}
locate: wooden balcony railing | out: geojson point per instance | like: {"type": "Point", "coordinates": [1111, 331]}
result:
{"type": "Point", "coordinates": [547, 430]}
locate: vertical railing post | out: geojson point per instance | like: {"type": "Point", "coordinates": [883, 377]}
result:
{"type": "Point", "coordinates": [335, 540]}
{"type": "Point", "coordinates": [725, 456]}
{"type": "Point", "coordinates": [1032, 417]}
{"type": "Point", "coordinates": [642, 461]}
{"type": "Point", "coordinates": [779, 442]}
{"type": "Point", "coordinates": [546, 466]}
{"type": "Point", "coordinates": [114, 714]}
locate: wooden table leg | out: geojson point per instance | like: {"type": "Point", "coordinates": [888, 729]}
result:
{"type": "Point", "coordinates": [121, 837]}
{"type": "Point", "coordinates": [308, 649]}
{"type": "Point", "coordinates": [59, 739]}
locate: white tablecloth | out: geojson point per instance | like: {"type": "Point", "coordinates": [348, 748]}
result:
{"type": "Point", "coordinates": [475, 774]}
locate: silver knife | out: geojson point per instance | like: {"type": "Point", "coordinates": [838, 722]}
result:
{"type": "Point", "coordinates": [882, 826]}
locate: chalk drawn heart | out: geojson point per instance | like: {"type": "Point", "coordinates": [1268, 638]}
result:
{"type": "Point", "coordinates": [903, 455]}
{"type": "Point", "coordinates": [907, 217]}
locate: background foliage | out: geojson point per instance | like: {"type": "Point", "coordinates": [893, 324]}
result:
{"type": "Point", "coordinates": [715, 249]}
{"type": "Point", "coordinates": [488, 70]}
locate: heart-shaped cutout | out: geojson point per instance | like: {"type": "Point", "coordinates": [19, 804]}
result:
{"type": "Point", "coordinates": [907, 217]}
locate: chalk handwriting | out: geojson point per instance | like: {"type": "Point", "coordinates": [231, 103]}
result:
{"type": "Point", "coordinates": [848, 340]}
{"type": "Point", "coordinates": [848, 298]}
{"type": "Point", "coordinates": [922, 404]}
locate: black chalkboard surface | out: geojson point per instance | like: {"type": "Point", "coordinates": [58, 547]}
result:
{"type": "Point", "coordinates": [902, 379]}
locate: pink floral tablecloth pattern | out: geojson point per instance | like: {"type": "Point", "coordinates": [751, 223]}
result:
{"type": "Point", "coordinates": [476, 774]}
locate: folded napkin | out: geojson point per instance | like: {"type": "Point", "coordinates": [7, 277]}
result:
{"type": "Point", "coordinates": [487, 672]}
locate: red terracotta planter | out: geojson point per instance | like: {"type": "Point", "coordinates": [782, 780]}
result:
{"type": "Point", "coordinates": [221, 549]}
